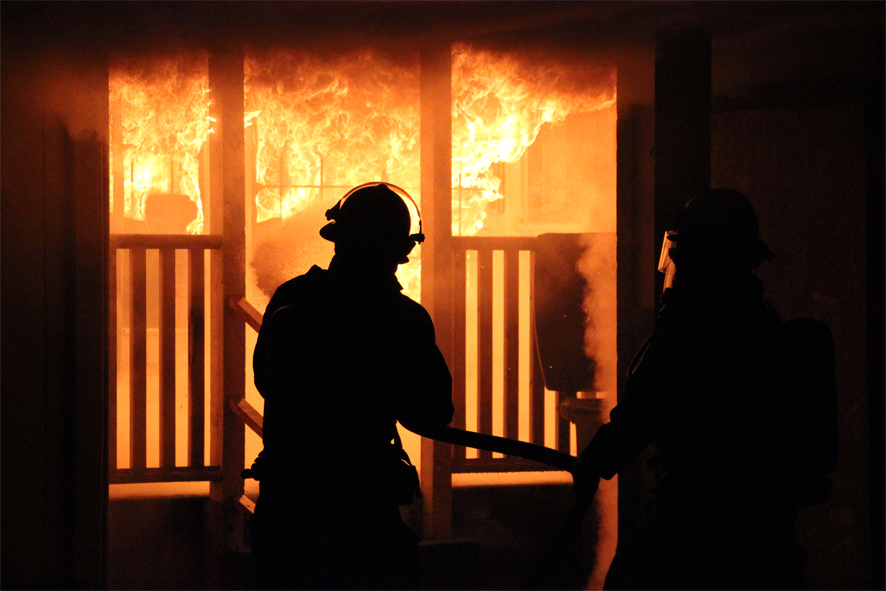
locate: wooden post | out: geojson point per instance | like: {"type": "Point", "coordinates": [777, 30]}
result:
{"type": "Point", "coordinates": [227, 186]}
{"type": "Point", "coordinates": [91, 249]}
{"type": "Point", "coordinates": [682, 123]}
{"type": "Point", "coordinates": [637, 244]}
{"type": "Point", "coordinates": [436, 192]}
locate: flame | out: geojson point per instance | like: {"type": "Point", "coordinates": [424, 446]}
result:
{"type": "Point", "coordinates": [163, 109]}
{"type": "Point", "coordinates": [326, 125]}
{"type": "Point", "coordinates": [500, 103]}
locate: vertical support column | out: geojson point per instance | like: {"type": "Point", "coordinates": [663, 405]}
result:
{"type": "Point", "coordinates": [91, 250]}
{"type": "Point", "coordinates": [636, 246]}
{"type": "Point", "coordinates": [682, 123]}
{"type": "Point", "coordinates": [436, 192]}
{"type": "Point", "coordinates": [227, 188]}
{"type": "Point", "coordinates": [212, 194]}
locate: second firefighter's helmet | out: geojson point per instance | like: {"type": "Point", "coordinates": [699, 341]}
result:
{"type": "Point", "coordinates": [721, 224]}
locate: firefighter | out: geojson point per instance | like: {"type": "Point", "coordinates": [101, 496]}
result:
{"type": "Point", "coordinates": [740, 408]}
{"type": "Point", "coordinates": [342, 356]}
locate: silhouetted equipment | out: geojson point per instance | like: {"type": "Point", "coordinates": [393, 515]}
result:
{"type": "Point", "coordinates": [560, 320]}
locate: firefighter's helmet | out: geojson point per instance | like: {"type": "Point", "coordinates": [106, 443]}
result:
{"type": "Point", "coordinates": [721, 224]}
{"type": "Point", "coordinates": [374, 216]}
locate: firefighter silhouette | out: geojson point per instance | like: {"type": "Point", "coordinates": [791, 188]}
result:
{"type": "Point", "coordinates": [741, 408]}
{"type": "Point", "coordinates": [341, 357]}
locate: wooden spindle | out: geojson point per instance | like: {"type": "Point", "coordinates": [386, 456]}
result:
{"type": "Point", "coordinates": [167, 357]}
{"type": "Point", "coordinates": [458, 344]}
{"type": "Point", "coordinates": [484, 346]}
{"type": "Point", "coordinates": [537, 389]}
{"type": "Point", "coordinates": [512, 343]}
{"type": "Point", "coordinates": [138, 354]}
{"type": "Point", "coordinates": [113, 332]}
{"type": "Point", "coordinates": [196, 359]}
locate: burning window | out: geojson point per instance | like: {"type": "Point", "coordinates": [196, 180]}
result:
{"type": "Point", "coordinates": [532, 145]}
{"type": "Point", "coordinates": [159, 125]}
{"type": "Point", "coordinates": [164, 400]}
{"type": "Point", "coordinates": [533, 152]}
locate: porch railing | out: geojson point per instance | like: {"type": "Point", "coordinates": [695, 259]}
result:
{"type": "Point", "coordinates": [164, 301]}
{"type": "Point", "coordinates": [494, 277]}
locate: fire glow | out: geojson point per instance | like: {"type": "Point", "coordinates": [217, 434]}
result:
{"type": "Point", "coordinates": [163, 111]}
{"type": "Point", "coordinates": [499, 106]}
{"type": "Point", "coordinates": [317, 126]}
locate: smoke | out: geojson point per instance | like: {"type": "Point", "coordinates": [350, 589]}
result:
{"type": "Point", "coordinates": [598, 266]}
{"type": "Point", "coordinates": [286, 248]}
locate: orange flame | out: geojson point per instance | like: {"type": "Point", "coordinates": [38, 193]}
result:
{"type": "Point", "coordinates": [500, 103]}
{"type": "Point", "coordinates": [324, 126]}
{"type": "Point", "coordinates": [163, 111]}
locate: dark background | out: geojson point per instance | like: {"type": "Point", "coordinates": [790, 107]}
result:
{"type": "Point", "coordinates": [796, 123]}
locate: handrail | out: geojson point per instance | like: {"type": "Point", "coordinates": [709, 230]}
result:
{"type": "Point", "coordinates": [248, 414]}
{"type": "Point", "coordinates": [530, 451]}
{"type": "Point", "coordinates": [246, 312]}
{"type": "Point", "coordinates": [180, 241]}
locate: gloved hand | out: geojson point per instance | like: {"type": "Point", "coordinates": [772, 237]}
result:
{"type": "Point", "coordinates": [585, 478]}
{"type": "Point", "coordinates": [257, 469]}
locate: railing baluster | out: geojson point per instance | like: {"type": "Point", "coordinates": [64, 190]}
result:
{"type": "Point", "coordinates": [512, 342]}
{"type": "Point", "coordinates": [484, 300]}
{"type": "Point", "coordinates": [113, 330]}
{"type": "Point", "coordinates": [458, 338]}
{"type": "Point", "coordinates": [215, 314]}
{"type": "Point", "coordinates": [138, 360]}
{"type": "Point", "coordinates": [564, 427]}
{"type": "Point", "coordinates": [128, 297]}
{"type": "Point", "coordinates": [196, 359]}
{"type": "Point", "coordinates": [537, 390]}
{"type": "Point", "coordinates": [167, 357]}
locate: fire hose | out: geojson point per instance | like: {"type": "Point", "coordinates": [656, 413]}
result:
{"type": "Point", "coordinates": [502, 445]}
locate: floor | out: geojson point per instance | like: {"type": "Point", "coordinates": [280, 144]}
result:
{"type": "Point", "coordinates": [499, 535]}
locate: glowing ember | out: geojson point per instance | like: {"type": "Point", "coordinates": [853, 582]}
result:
{"type": "Point", "coordinates": [499, 104]}
{"type": "Point", "coordinates": [163, 110]}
